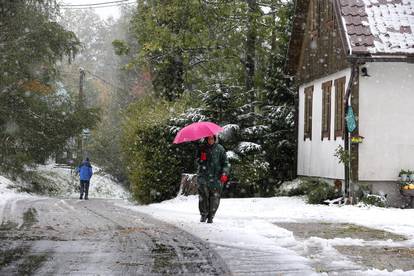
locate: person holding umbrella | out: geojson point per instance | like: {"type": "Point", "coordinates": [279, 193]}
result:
{"type": "Point", "coordinates": [212, 174]}
{"type": "Point", "coordinates": [212, 166]}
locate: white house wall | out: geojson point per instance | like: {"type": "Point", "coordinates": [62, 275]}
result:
{"type": "Point", "coordinates": [386, 120]}
{"type": "Point", "coordinates": [316, 156]}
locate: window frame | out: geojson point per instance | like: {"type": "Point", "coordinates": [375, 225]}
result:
{"type": "Point", "coordinates": [326, 110]}
{"type": "Point", "coordinates": [308, 101]}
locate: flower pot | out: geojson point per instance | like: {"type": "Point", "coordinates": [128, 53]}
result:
{"type": "Point", "coordinates": [404, 177]}
{"type": "Point", "coordinates": [407, 192]}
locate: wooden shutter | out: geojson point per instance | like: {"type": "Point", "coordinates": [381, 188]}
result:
{"type": "Point", "coordinates": [339, 107]}
{"type": "Point", "coordinates": [326, 110]}
{"type": "Point", "coordinates": [308, 113]}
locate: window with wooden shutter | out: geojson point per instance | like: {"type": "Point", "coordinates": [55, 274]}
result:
{"type": "Point", "coordinates": [326, 110]}
{"type": "Point", "coordinates": [308, 113]}
{"type": "Point", "coordinates": [339, 107]}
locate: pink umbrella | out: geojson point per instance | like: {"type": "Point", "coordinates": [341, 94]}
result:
{"type": "Point", "coordinates": [197, 131]}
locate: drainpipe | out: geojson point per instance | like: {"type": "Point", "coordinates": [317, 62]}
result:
{"type": "Point", "coordinates": [354, 73]}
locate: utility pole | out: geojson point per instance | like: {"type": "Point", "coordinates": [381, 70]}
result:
{"type": "Point", "coordinates": [80, 108]}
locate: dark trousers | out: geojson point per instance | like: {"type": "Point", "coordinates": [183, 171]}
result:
{"type": "Point", "coordinates": [208, 200]}
{"type": "Point", "coordinates": [84, 188]}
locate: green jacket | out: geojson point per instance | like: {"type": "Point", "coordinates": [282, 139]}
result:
{"type": "Point", "coordinates": [214, 165]}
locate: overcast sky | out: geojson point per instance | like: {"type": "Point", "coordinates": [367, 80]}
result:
{"type": "Point", "coordinates": [104, 12]}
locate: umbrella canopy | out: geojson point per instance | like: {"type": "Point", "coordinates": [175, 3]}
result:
{"type": "Point", "coordinates": [197, 131]}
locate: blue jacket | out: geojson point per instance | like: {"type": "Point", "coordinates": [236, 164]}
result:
{"type": "Point", "coordinates": [85, 171]}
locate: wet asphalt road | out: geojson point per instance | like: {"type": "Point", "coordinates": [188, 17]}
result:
{"type": "Point", "coordinates": [96, 237]}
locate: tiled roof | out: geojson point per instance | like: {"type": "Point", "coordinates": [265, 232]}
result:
{"type": "Point", "coordinates": [379, 26]}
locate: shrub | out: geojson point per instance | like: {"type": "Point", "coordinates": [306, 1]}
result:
{"type": "Point", "coordinates": [154, 164]}
{"type": "Point", "coordinates": [249, 173]}
{"type": "Point", "coordinates": [299, 191]}
{"type": "Point", "coordinates": [375, 200]}
{"type": "Point", "coordinates": [316, 190]}
{"type": "Point", "coordinates": [31, 181]}
{"type": "Point", "coordinates": [321, 193]}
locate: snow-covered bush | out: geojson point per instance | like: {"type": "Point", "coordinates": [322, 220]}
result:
{"type": "Point", "coordinates": [34, 182]}
{"type": "Point", "coordinates": [374, 200]}
{"type": "Point", "coordinates": [289, 188]}
{"type": "Point", "coordinates": [316, 190]}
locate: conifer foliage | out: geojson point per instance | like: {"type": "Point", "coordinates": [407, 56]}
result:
{"type": "Point", "coordinates": [228, 58]}
{"type": "Point", "coordinates": [36, 116]}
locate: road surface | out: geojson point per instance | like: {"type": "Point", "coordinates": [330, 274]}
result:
{"type": "Point", "coordinates": [97, 237]}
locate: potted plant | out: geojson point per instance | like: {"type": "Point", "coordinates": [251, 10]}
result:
{"type": "Point", "coordinates": [411, 175]}
{"type": "Point", "coordinates": [403, 175]}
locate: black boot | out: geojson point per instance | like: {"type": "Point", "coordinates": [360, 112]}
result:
{"type": "Point", "coordinates": [203, 218]}
{"type": "Point", "coordinates": [210, 220]}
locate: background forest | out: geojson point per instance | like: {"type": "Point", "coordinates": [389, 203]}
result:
{"type": "Point", "coordinates": [159, 67]}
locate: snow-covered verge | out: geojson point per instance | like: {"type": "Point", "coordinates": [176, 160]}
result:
{"type": "Point", "coordinates": [101, 185]}
{"type": "Point", "coordinates": [250, 224]}
{"type": "Point", "coordinates": [62, 181]}
{"type": "Point", "coordinates": [6, 192]}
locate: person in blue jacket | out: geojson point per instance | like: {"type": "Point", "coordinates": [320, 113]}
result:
{"type": "Point", "coordinates": [85, 174]}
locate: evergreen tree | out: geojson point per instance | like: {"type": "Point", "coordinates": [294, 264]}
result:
{"type": "Point", "coordinates": [36, 117]}
{"type": "Point", "coordinates": [230, 60]}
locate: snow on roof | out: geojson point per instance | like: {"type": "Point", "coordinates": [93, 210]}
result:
{"type": "Point", "coordinates": [379, 26]}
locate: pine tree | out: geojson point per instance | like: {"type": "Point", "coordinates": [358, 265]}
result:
{"type": "Point", "coordinates": [35, 118]}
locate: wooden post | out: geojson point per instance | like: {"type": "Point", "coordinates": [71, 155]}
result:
{"type": "Point", "coordinates": [80, 107]}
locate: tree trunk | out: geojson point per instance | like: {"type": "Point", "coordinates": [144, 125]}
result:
{"type": "Point", "coordinates": [251, 49]}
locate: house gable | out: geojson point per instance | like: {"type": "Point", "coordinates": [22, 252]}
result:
{"type": "Point", "coordinates": [316, 48]}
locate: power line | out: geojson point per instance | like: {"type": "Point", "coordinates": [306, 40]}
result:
{"type": "Point", "coordinates": [97, 7]}
{"type": "Point", "coordinates": [93, 4]}
{"type": "Point", "coordinates": [109, 6]}
{"type": "Point", "coordinates": [104, 81]}
{"type": "Point", "coordinates": [95, 76]}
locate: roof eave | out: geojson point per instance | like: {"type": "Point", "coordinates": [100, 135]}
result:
{"type": "Point", "coordinates": [342, 28]}
{"type": "Point", "coordinates": [381, 57]}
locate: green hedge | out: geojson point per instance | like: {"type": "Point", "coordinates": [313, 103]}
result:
{"type": "Point", "coordinates": [316, 191]}
{"type": "Point", "coordinates": [154, 164]}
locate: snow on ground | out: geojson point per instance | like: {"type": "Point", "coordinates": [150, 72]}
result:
{"type": "Point", "coordinates": [101, 185]}
{"type": "Point", "coordinates": [64, 183]}
{"type": "Point", "coordinates": [248, 224]}
{"type": "Point", "coordinates": [244, 232]}
{"type": "Point", "coordinates": [6, 193]}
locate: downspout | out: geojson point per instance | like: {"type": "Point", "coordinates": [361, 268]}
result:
{"type": "Point", "coordinates": [354, 74]}
{"type": "Point", "coordinates": [346, 43]}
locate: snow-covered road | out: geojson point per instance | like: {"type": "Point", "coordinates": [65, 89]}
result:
{"type": "Point", "coordinates": [250, 236]}
{"type": "Point", "coordinates": [46, 236]}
